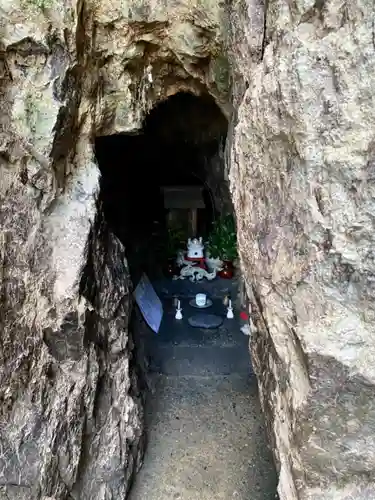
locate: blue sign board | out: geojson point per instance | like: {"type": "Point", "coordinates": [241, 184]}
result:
{"type": "Point", "coordinates": [149, 303]}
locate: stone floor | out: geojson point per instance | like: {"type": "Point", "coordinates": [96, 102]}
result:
{"type": "Point", "coordinates": [206, 438]}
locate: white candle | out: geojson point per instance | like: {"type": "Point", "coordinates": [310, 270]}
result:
{"type": "Point", "coordinates": [178, 304]}
{"type": "Point", "coordinates": [230, 303]}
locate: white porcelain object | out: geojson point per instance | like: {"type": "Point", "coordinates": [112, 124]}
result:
{"type": "Point", "coordinates": [245, 329]}
{"type": "Point", "coordinates": [201, 299]}
{"type": "Point", "coordinates": [230, 314]}
{"type": "Point", "coordinates": [194, 304]}
{"type": "Point", "coordinates": [178, 314]}
{"type": "Point", "coordinates": [195, 248]}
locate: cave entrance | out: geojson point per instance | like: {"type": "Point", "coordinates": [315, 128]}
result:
{"type": "Point", "coordinates": [170, 179]}
{"type": "Point", "coordinates": [166, 182]}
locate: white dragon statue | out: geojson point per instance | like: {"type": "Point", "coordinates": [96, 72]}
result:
{"type": "Point", "coordinates": [195, 273]}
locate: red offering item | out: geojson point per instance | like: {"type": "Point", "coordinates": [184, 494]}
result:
{"type": "Point", "coordinates": [200, 261]}
{"type": "Point", "coordinates": [244, 315]}
{"type": "Point", "coordinates": [227, 270]}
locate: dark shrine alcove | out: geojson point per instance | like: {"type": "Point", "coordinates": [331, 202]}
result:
{"type": "Point", "coordinates": [181, 144]}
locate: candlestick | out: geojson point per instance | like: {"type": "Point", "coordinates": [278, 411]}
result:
{"type": "Point", "coordinates": [178, 314]}
{"type": "Point", "coordinates": [230, 314]}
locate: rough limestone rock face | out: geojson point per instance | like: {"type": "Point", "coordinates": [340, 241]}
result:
{"type": "Point", "coordinates": [303, 185]}
{"type": "Point", "coordinates": [71, 423]}
{"type": "Point", "coordinates": [302, 179]}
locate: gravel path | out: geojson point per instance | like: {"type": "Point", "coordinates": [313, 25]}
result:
{"type": "Point", "coordinates": [206, 438]}
{"type": "Point", "coordinates": [206, 442]}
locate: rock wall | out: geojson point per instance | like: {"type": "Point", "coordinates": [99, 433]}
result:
{"type": "Point", "coordinates": [70, 416]}
{"type": "Point", "coordinates": [112, 448]}
{"type": "Point", "coordinates": [302, 155]}
{"type": "Point", "coordinates": [302, 180]}
{"type": "Point", "coordinates": [216, 168]}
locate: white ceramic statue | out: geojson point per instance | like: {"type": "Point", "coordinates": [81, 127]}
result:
{"type": "Point", "coordinates": [189, 268]}
{"type": "Point", "coordinates": [195, 248]}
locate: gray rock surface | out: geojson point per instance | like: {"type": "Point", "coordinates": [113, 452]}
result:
{"type": "Point", "coordinates": [71, 420]}
{"type": "Point", "coordinates": [302, 149]}
{"type": "Point", "coordinates": [70, 416]}
{"type": "Point", "coordinates": [302, 183]}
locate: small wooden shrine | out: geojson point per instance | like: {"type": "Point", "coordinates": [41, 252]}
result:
{"type": "Point", "coordinates": [183, 202]}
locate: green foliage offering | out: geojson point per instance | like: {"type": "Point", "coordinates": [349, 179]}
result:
{"type": "Point", "coordinates": [174, 242]}
{"type": "Point", "coordinates": [40, 4]}
{"type": "Point", "coordinates": [31, 112]}
{"type": "Point", "coordinates": [222, 241]}
{"type": "Point", "coordinates": [221, 70]}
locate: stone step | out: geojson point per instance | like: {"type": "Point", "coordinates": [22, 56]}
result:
{"type": "Point", "coordinates": [180, 360]}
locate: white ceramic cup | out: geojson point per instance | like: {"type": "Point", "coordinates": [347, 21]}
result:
{"type": "Point", "coordinates": [200, 299]}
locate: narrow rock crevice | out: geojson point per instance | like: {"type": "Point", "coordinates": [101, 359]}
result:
{"type": "Point", "coordinates": [264, 39]}
{"type": "Point", "coordinates": [106, 286]}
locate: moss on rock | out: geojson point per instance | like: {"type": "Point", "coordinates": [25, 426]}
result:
{"type": "Point", "coordinates": [221, 73]}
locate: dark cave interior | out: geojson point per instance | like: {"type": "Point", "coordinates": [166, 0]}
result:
{"type": "Point", "coordinates": [181, 144]}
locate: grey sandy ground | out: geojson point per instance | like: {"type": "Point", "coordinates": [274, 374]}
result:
{"type": "Point", "coordinates": [206, 442]}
